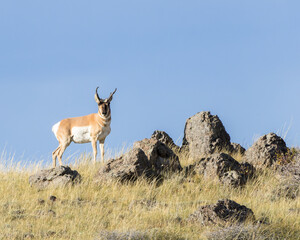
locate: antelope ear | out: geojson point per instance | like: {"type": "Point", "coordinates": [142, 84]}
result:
{"type": "Point", "coordinates": [97, 99]}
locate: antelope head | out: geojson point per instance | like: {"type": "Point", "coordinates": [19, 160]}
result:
{"type": "Point", "coordinates": [104, 104]}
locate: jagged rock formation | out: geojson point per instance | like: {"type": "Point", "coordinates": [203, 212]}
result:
{"type": "Point", "coordinates": [55, 177]}
{"type": "Point", "coordinates": [204, 134]}
{"type": "Point", "coordinates": [225, 168]}
{"type": "Point", "coordinates": [148, 158]}
{"type": "Point", "coordinates": [265, 151]}
{"type": "Point", "coordinates": [165, 138]}
{"type": "Point", "coordinates": [159, 154]}
{"type": "Point", "coordinates": [224, 212]}
{"type": "Point", "coordinates": [129, 167]}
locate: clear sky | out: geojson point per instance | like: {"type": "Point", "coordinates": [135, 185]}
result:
{"type": "Point", "coordinates": [169, 60]}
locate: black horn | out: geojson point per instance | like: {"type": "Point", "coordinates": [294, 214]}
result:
{"type": "Point", "coordinates": [111, 95]}
{"type": "Point", "coordinates": [97, 98]}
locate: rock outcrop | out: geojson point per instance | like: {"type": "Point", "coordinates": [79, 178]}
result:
{"type": "Point", "coordinates": [128, 167]}
{"type": "Point", "coordinates": [265, 151]}
{"type": "Point", "coordinates": [165, 138]}
{"type": "Point", "coordinates": [148, 158]}
{"type": "Point", "coordinates": [56, 177]}
{"type": "Point", "coordinates": [222, 213]}
{"type": "Point", "coordinates": [225, 168]}
{"type": "Point", "coordinates": [161, 157]}
{"type": "Point", "coordinates": [204, 134]}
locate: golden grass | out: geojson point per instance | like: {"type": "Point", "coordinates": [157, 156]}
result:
{"type": "Point", "coordinates": [84, 210]}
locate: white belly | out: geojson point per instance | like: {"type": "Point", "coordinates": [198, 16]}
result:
{"type": "Point", "coordinates": [81, 134]}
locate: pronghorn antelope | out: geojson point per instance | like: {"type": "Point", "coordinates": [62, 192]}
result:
{"type": "Point", "coordinates": [91, 128]}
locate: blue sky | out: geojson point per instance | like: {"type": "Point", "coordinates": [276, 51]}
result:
{"type": "Point", "coordinates": [168, 59]}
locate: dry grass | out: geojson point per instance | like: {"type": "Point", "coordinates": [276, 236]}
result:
{"type": "Point", "coordinates": [84, 210]}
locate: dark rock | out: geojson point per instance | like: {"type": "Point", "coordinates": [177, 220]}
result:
{"type": "Point", "coordinates": [205, 134]}
{"type": "Point", "coordinates": [129, 167]}
{"type": "Point", "coordinates": [224, 167]}
{"type": "Point", "coordinates": [166, 139]}
{"type": "Point", "coordinates": [222, 213]}
{"type": "Point", "coordinates": [161, 157]}
{"type": "Point", "coordinates": [52, 198]}
{"type": "Point", "coordinates": [232, 178]}
{"type": "Point", "coordinates": [56, 177]}
{"type": "Point", "coordinates": [247, 170]}
{"type": "Point", "coordinates": [147, 159]}
{"type": "Point", "coordinates": [216, 165]}
{"type": "Point", "coordinates": [265, 151]}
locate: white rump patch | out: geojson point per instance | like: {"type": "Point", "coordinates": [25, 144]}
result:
{"type": "Point", "coordinates": [55, 129]}
{"type": "Point", "coordinates": [81, 134]}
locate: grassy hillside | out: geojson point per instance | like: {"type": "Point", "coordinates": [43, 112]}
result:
{"type": "Point", "coordinates": [85, 210]}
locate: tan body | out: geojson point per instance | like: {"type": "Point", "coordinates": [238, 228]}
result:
{"type": "Point", "coordinates": [90, 128]}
